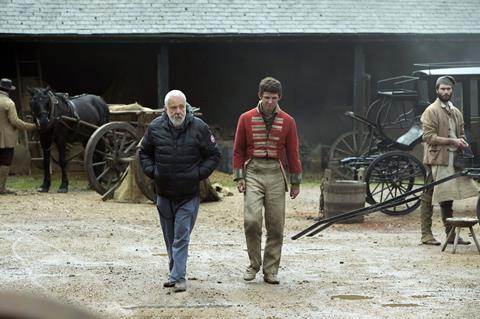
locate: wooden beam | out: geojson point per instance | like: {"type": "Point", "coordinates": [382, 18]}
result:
{"type": "Point", "coordinates": [162, 75]}
{"type": "Point", "coordinates": [358, 82]}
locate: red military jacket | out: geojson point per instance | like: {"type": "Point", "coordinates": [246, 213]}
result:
{"type": "Point", "coordinates": [253, 140]}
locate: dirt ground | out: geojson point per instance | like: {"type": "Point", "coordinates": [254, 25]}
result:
{"type": "Point", "coordinates": [109, 258]}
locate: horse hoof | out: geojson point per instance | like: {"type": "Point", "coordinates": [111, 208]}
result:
{"type": "Point", "coordinates": [42, 190]}
{"type": "Point", "coordinates": [62, 190]}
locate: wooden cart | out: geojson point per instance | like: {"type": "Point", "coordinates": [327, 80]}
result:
{"type": "Point", "coordinates": [111, 149]}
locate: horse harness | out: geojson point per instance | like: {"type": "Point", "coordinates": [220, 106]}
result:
{"type": "Point", "coordinates": [71, 109]}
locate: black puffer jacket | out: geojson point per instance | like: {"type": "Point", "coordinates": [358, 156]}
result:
{"type": "Point", "coordinates": [177, 159]}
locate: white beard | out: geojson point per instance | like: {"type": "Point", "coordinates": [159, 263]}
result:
{"type": "Point", "coordinates": [176, 121]}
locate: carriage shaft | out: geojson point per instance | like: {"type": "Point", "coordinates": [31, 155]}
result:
{"type": "Point", "coordinates": [474, 172]}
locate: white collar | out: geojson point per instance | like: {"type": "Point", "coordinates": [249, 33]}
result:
{"type": "Point", "coordinates": [448, 105]}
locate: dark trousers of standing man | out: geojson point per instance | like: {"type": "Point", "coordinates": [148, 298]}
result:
{"type": "Point", "coordinates": [426, 211]}
{"type": "Point", "coordinates": [177, 219]}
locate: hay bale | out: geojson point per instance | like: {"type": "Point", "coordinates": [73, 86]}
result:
{"type": "Point", "coordinates": [128, 191]}
{"type": "Point", "coordinates": [207, 192]}
{"type": "Point", "coordinates": [128, 107]}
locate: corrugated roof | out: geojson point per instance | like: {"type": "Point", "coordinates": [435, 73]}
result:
{"type": "Point", "coordinates": [238, 17]}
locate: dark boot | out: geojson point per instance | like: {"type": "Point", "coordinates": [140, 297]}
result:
{"type": "Point", "coordinates": [461, 241]}
{"type": "Point", "coordinates": [4, 170]}
{"type": "Point", "coordinates": [426, 213]}
{"type": "Point", "coordinates": [447, 212]}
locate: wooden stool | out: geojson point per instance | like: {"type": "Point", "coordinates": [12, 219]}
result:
{"type": "Point", "coordinates": [460, 222]}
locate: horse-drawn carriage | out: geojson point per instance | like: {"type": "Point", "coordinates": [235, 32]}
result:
{"type": "Point", "coordinates": [391, 129]}
{"type": "Point", "coordinates": [394, 177]}
{"type": "Point", "coordinates": [110, 137]}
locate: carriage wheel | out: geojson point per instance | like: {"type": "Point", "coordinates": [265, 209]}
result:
{"type": "Point", "coordinates": [108, 153]}
{"type": "Point", "coordinates": [393, 174]}
{"type": "Point", "coordinates": [395, 117]}
{"type": "Point", "coordinates": [145, 184]}
{"type": "Point", "coordinates": [350, 144]}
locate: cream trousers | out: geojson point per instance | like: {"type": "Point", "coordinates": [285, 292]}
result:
{"type": "Point", "coordinates": [265, 192]}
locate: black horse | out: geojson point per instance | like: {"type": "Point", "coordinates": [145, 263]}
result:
{"type": "Point", "coordinates": [63, 120]}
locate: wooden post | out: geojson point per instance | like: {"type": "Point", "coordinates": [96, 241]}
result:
{"type": "Point", "coordinates": [162, 75]}
{"type": "Point", "coordinates": [358, 83]}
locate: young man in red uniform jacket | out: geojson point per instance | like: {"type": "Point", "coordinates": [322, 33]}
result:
{"type": "Point", "coordinates": [266, 144]}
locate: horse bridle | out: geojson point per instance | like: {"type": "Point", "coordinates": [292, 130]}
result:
{"type": "Point", "coordinates": [53, 103]}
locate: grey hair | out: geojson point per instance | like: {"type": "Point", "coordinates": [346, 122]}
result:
{"type": "Point", "coordinates": [176, 93]}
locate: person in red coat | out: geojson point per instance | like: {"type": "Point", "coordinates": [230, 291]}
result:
{"type": "Point", "coordinates": [265, 148]}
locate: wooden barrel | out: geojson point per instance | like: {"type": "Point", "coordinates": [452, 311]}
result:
{"type": "Point", "coordinates": [342, 196]}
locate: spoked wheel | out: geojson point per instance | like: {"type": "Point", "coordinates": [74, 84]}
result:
{"type": "Point", "coordinates": [350, 144]}
{"type": "Point", "coordinates": [108, 153]}
{"type": "Point", "coordinates": [395, 117]}
{"type": "Point", "coordinates": [393, 174]}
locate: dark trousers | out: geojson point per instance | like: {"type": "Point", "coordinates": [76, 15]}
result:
{"type": "Point", "coordinates": [177, 219]}
{"type": "Point", "coordinates": [6, 156]}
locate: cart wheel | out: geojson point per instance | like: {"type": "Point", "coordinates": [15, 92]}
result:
{"type": "Point", "coordinates": [144, 183]}
{"type": "Point", "coordinates": [395, 117]}
{"type": "Point", "coordinates": [108, 152]}
{"type": "Point", "coordinates": [393, 174]}
{"type": "Point", "coordinates": [350, 144]}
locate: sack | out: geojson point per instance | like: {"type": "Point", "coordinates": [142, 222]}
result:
{"type": "Point", "coordinates": [462, 159]}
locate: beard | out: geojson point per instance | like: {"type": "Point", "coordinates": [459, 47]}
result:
{"type": "Point", "coordinates": [444, 97]}
{"type": "Point", "coordinates": [177, 120]}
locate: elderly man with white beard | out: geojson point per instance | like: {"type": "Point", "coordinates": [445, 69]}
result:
{"type": "Point", "coordinates": [177, 151]}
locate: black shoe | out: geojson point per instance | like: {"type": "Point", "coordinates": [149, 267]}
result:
{"type": "Point", "coordinates": [169, 284]}
{"type": "Point", "coordinates": [431, 241]}
{"type": "Point", "coordinates": [461, 241]}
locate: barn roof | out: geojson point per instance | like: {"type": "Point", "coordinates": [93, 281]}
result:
{"type": "Point", "coordinates": [166, 18]}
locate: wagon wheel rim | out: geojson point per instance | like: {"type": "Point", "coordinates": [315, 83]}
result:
{"type": "Point", "coordinates": [108, 153]}
{"type": "Point", "coordinates": [350, 144]}
{"type": "Point", "coordinates": [395, 117]}
{"type": "Point", "coordinates": [145, 184]}
{"type": "Point", "coordinates": [393, 174]}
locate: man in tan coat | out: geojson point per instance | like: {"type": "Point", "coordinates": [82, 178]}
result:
{"type": "Point", "coordinates": [9, 126]}
{"type": "Point", "coordinates": [443, 134]}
